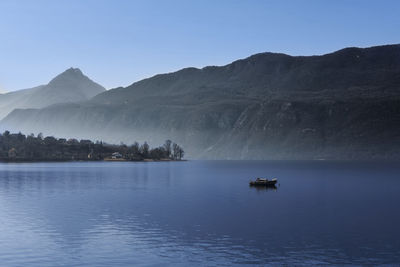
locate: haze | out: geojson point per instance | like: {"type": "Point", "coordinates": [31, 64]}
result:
{"type": "Point", "coordinates": [119, 43]}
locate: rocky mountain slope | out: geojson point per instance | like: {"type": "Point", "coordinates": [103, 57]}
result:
{"type": "Point", "coordinates": [343, 105]}
{"type": "Point", "coordinates": [71, 86]}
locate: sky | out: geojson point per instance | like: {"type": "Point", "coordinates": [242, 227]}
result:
{"type": "Point", "coordinates": [118, 42]}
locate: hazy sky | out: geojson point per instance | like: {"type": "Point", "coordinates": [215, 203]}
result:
{"type": "Point", "coordinates": [118, 42]}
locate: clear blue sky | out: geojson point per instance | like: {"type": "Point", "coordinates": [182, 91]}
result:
{"type": "Point", "coordinates": [117, 42]}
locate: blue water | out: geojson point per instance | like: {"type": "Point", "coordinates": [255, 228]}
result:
{"type": "Point", "coordinates": [199, 213]}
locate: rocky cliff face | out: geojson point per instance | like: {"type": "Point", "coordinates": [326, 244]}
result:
{"type": "Point", "coordinates": [343, 105]}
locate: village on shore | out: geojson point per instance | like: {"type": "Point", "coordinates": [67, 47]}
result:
{"type": "Point", "coordinates": [17, 147]}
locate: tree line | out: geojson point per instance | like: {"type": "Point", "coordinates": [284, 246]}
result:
{"type": "Point", "coordinates": [19, 147]}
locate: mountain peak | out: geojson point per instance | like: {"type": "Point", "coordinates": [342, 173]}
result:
{"type": "Point", "coordinates": [74, 71]}
{"type": "Point", "coordinates": [73, 80]}
{"type": "Point", "coordinates": [70, 86]}
{"type": "Point", "coordinates": [71, 75]}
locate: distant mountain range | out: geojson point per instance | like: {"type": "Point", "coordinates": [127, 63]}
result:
{"type": "Point", "coordinates": [70, 86]}
{"type": "Point", "coordinates": [343, 105]}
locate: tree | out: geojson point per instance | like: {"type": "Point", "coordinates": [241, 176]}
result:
{"type": "Point", "coordinates": [167, 148]}
{"type": "Point", "coordinates": [73, 141]}
{"type": "Point", "coordinates": [31, 147]}
{"type": "Point", "coordinates": [144, 150]}
{"type": "Point", "coordinates": [157, 153]}
{"type": "Point", "coordinates": [177, 152]}
{"type": "Point", "coordinates": [135, 148]}
{"type": "Point", "coordinates": [181, 153]}
{"type": "Point", "coordinates": [21, 137]}
{"type": "Point", "coordinates": [50, 140]}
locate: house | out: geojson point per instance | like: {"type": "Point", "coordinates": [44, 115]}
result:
{"type": "Point", "coordinates": [116, 155]}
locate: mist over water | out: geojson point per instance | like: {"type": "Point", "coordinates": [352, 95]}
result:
{"type": "Point", "coordinates": [197, 212]}
{"type": "Point", "coordinates": [342, 105]}
{"type": "Point", "coordinates": [142, 126]}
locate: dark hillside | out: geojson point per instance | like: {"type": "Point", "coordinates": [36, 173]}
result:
{"type": "Point", "coordinates": [343, 105]}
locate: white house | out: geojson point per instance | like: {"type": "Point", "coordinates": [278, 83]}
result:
{"type": "Point", "coordinates": [116, 155]}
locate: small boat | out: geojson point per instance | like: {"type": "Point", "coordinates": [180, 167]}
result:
{"type": "Point", "coordinates": [264, 182]}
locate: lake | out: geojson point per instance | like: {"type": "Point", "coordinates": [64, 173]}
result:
{"type": "Point", "coordinates": [199, 213]}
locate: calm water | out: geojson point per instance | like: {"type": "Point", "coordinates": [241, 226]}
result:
{"type": "Point", "coordinates": [199, 213]}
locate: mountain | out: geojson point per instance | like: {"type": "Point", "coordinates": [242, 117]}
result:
{"type": "Point", "coordinates": [70, 86]}
{"type": "Point", "coordinates": [342, 105]}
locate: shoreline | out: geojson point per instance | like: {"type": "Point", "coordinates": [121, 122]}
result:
{"type": "Point", "coordinates": [74, 160]}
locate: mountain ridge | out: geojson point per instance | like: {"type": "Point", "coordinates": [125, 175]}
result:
{"type": "Point", "coordinates": [267, 58]}
{"type": "Point", "coordinates": [69, 86]}
{"type": "Point", "coordinates": [341, 105]}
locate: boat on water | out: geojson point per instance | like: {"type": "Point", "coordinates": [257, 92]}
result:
{"type": "Point", "coordinates": [264, 182]}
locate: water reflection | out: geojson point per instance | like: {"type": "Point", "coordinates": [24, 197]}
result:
{"type": "Point", "coordinates": [265, 187]}
{"type": "Point", "coordinates": [187, 213]}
